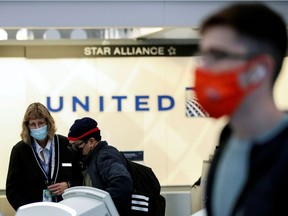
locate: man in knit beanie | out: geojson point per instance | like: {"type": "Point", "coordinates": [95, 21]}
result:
{"type": "Point", "coordinates": [106, 166]}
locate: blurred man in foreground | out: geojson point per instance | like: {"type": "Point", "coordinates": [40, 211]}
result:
{"type": "Point", "coordinates": [242, 51]}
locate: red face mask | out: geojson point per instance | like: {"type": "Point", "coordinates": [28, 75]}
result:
{"type": "Point", "coordinates": [220, 93]}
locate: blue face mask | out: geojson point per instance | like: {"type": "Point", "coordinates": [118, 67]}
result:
{"type": "Point", "coordinates": [39, 133]}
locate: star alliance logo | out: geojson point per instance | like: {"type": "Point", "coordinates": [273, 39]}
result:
{"type": "Point", "coordinates": [172, 51]}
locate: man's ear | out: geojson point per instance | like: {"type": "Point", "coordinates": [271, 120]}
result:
{"type": "Point", "coordinates": [92, 140]}
{"type": "Point", "coordinates": [89, 141]}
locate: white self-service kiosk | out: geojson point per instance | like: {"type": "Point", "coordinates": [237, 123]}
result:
{"type": "Point", "coordinates": [89, 201]}
{"type": "Point", "coordinates": [77, 201]}
{"type": "Point", "coordinates": [45, 209]}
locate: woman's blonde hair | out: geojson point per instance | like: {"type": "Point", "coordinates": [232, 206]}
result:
{"type": "Point", "coordinates": [37, 111]}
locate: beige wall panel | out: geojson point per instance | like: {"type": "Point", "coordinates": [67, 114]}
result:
{"type": "Point", "coordinates": [173, 144]}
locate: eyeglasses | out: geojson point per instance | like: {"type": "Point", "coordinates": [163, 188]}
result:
{"type": "Point", "coordinates": [77, 146]}
{"type": "Point", "coordinates": [39, 124]}
{"type": "Point", "coordinates": [213, 56]}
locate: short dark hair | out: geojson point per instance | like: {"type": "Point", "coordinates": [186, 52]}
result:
{"type": "Point", "coordinates": [256, 22]}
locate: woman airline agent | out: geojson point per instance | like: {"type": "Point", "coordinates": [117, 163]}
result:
{"type": "Point", "coordinates": [41, 165]}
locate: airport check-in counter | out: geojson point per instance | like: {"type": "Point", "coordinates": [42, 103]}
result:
{"type": "Point", "coordinates": [182, 200]}
{"type": "Point", "coordinates": [186, 200]}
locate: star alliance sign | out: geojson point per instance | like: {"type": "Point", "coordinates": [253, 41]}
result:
{"type": "Point", "coordinates": [130, 50]}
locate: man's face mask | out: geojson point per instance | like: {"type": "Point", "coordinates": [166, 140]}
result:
{"type": "Point", "coordinates": [77, 150]}
{"type": "Point", "coordinates": [220, 93]}
{"type": "Point", "coordinates": [78, 154]}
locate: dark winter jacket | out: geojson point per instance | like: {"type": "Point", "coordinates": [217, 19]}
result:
{"type": "Point", "coordinates": [266, 190]}
{"type": "Point", "coordinates": [107, 169]}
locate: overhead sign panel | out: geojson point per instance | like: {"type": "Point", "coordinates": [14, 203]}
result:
{"type": "Point", "coordinates": [41, 49]}
{"type": "Point", "coordinates": [92, 51]}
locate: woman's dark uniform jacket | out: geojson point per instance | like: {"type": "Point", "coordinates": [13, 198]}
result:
{"type": "Point", "coordinates": [26, 179]}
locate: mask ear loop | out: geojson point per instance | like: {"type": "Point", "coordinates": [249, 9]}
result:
{"type": "Point", "coordinates": [259, 72]}
{"type": "Point", "coordinates": [265, 60]}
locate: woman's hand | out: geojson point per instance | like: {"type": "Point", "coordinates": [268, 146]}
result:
{"type": "Point", "coordinates": [58, 188]}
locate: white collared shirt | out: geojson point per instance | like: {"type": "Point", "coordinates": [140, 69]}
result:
{"type": "Point", "coordinates": [46, 152]}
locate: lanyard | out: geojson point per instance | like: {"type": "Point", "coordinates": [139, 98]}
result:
{"type": "Point", "coordinates": [47, 168]}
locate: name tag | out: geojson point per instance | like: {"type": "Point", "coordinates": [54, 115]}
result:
{"type": "Point", "coordinates": [47, 195]}
{"type": "Point", "coordinates": [66, 164]}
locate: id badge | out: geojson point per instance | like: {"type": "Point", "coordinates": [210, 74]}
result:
{"type": "Point", "coordinates": [47, 195]}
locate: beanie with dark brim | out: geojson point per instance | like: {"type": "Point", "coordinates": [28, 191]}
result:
{"type": "Point", "coordinates": [82, 128]}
